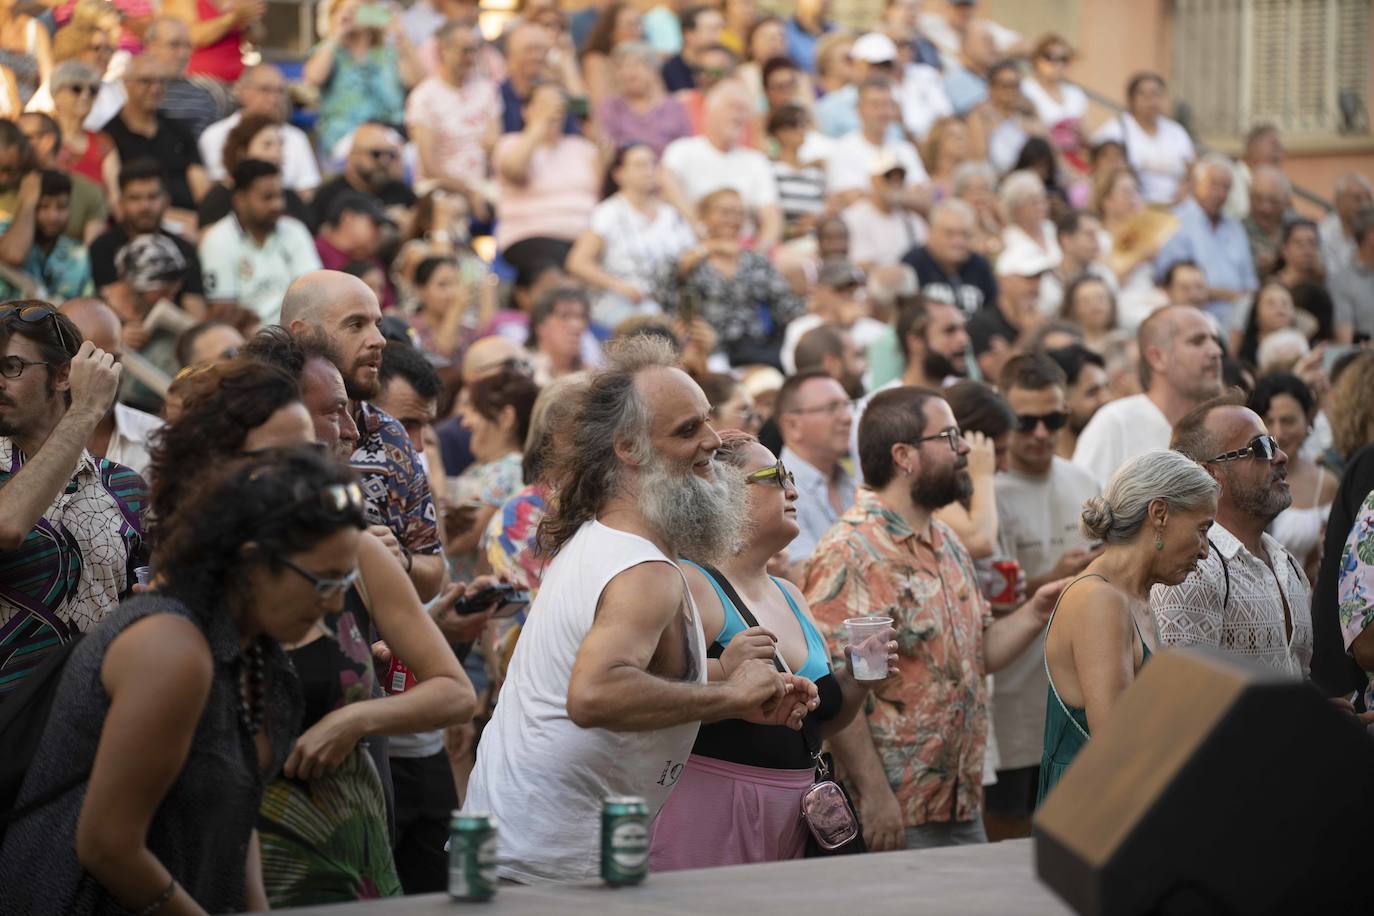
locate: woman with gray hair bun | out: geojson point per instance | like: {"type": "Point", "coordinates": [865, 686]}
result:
{"type": "Point", "coordinates": [1153, 518]}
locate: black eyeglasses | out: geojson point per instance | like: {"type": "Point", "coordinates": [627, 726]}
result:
{"type": "Point", "coordinates": [379, 155]}
{"type": "Point", "coordinates": [777, 475]}
{"type": "Point", "coordinates": [953, 436]}
{"type": "Point", "coordinates": [326, 589]}
{"type": "Point", "coordinates": [830, 409]}
{"type": "Point", "coordinates": [1265, 448]}
{"type": "Point", "coordinates": [14, 366]}
{"type": "Point", "coordinates": [1026, 422]}
{"type": "Point", "coordinates": [32, 314]}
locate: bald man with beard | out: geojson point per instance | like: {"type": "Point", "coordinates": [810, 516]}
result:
{"type": "Point", "coordinates": [122, 434]}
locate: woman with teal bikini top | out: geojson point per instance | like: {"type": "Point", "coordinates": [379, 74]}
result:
{"type": "Point", "coordinates": [1153, 517]}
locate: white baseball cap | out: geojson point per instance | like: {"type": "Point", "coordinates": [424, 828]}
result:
{"type": "Point", "coordinates": [874, 48]}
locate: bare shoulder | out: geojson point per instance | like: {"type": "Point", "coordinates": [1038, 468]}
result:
{"type": "Point", "coordinates": [796, 595]}
{"type": "Point", "coordinates": [166, 649]}
{"type": "Point", "coordinates": [1091, 599]}
{"type": "Point", "coordinates": [653, 589]}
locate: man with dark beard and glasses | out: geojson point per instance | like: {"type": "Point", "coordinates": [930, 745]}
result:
{"type": "Point", "coordinates": [915, 762]}
{"type": "Point", "coordinates": [608, 683]}
{"type": "Point", "coordinates": [1249, 597]}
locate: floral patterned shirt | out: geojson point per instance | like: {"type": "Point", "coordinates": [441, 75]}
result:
{"type": "Point", "coordinates": [510, 538]}
{"type": "Point", "coordinates": [747, 311]}
{"type": "Point", "coordinates": [930, 727]}
{"type": "Point", "coordinates": [1355, 591]}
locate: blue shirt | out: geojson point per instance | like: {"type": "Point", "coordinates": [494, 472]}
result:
{"type": "Point", "coordinates": [513, 119]}
{"type": "Point", "coordinates": [837, 114]}
{"type": "Point", "coordinates": [815, 514]}
{"type": "Point", "coordinates": [966, 89]}
{"type": "Point", "coordinates": [1222, 251]}
{"type": "Point", "coordinates": [801, 44]}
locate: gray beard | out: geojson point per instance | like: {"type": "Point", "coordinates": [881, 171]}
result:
{"type": "Point", "coordinates": [701, 519]}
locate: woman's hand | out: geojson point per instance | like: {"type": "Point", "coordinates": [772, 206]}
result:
{"type": "Point", "coordinates": [324, 745]}
{"type": "Point", "coordinates": [982, 456]}
{"type": "Point", "coordinates": [755, 642]}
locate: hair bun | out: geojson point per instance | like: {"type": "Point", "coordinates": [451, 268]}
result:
{"type": "Point", "coordinates": [1097, 518]}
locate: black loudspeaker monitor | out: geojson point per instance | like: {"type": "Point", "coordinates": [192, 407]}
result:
{"type": "Point", "coordinates": [1214, 788]}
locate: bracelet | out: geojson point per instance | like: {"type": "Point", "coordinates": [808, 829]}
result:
{"type": "Point", "coordinates": [160, 902]}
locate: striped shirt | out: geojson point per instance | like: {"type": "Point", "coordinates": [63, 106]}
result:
{"type": "Point", "coordinates": [74, 565]}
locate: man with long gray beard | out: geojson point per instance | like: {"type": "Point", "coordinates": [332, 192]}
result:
{"type": "Point", "coordinates": [608, 683]}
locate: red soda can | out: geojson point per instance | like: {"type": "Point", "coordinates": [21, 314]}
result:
{"type": "Point", "coordinates": [398, 677]}
{"type": "Point", "coordinates": [1007, 583]}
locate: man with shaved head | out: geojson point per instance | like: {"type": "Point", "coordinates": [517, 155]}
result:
{"type": "Point", "coordinates": [122, 434]}
{"type": "Point", "coordinates": [1249, 597]}
{"type": "Point", "coordinates": [1180, 368]}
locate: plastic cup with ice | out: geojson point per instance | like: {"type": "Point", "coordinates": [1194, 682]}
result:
{"type": "Point", "coordinates": [868, 647]}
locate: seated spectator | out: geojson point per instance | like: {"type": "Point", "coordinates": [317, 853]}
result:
{"type": "Point", "coordinates": [1079, 235]}
{"type": "Point", "coordinates": [1270, 198]}
{"type": "Point", "coordinates": [975, 183]}
{"type": "Point", "coordinates": [353, 231]}
{"type": "Point", "coordinates": [362, 74]}
{"type": "Point", "coordinates": [1088, 302]}
{"type": "Point", "coordinates": [208, 342]}
{"type": "Point", "coordinates": [767, 42]}
{"type": "Point", "coordinates": [141, 131]}
{"type": "Point", "coordinates": [34, 242]}
{"type": "Point", "coordinates": [633, 238]}
{"type": "Point", "coordinates": [1271, 310]}
{"type": "Point", "coordinates": [717, 66]}
{"type": "Point", "coordinates": [373, 169]}
{"type": "Point", "coordinates": [219, 30]}
{"type": "Point", "coordinates": [1299, 267]}
{"type": "Point", "coordinates": [847, 171]}
{"type": "Point", "coordinates": [1040, 159]}
{"type": "Point", "coordinates": [1263, 149]}
{"type": "Point", "coordinates": [635, 108]}
{"type": "Point", "coordinates": [804, 29]}
{"type": "Point", "coordinates": [732, 406]}
{"type": "Point", "coordinates": [701, 29]}
{"type": "Point", "coordinates": [1060, 106]}
{"type": "Point", "coordinates": [694, 167]}
{"type": "Point", "coordinates": [996, 332]}
{"type": "Point", "coordinates": [801, 183]}
{"type": "Point", "coordinates": [1184, 283]}
{"type": "Point", "coordinates": [616, 25]}
{"type": "Point", "coordinates": [557, 323]}
{"type": "Point", "coordinates": [1353, 288]}
{"type": "Point", "coordinates": [831, 349]}
{"type": "Point", "coordinates": [84, 152]}
{"type": "Point", "coordinates": [262, 90]}
{"type": "Point", "coordinates": [92, 46]}
{"type": "Point", "coordinates": [87, 212]}
{"type": "Point", "coordinates": [548, 184]}
{"type": "Point", "coordinates": [189, 102]}
{"type": "Point", "coordinates": [1001, 124]}
{"type": "Point", "coordinates": [1158, 148]}
{"type": "Point", "coordinates": [531, 59]}
{"type": "Point", "coordinates": [1025, 210]}
{"type": "Point", "coordinates": [919, 84]}
{"type": "Point", "coordinates": [1351, 195]}
{"type": "Point", "coordinates": [946, 148]}
{"type": "Point", "coordinates": [25, 50]}
{"type": "Point", "coordinates": [440, 229]}
{"type": "Point", "coordinates": [740, 17]}
{"type": "Point", "coordinates": [1214, 240]}
{"type": "Point", "coordinates": [737, 291]}
{"type": "Point", "coordinates": [902, 23]}
{"type": "Point", "coordinates": [947, 268]}
{"type": "Point", "coordinates": [252, 255]}
{"type": "Point", "coordinates": [872, 57]}
{"type": "Point", "coordinates": [840, 300]}
{"type": "Point", "coordinates": [834, 68]}
{"type": "Point", "coordinates": [968, 71]}
{"type": "Point", "coordinates": [257, 137]}
{"type": "Point", "coordinates": [882, 228]}
{"type": "Point", "coordinates": [1134, 238]}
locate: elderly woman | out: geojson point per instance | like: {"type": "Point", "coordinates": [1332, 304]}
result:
{"type": "Point", "coordinates": [641, 111]}
{"type": "Point", "coordinates": [1153, 517]}
{"type": "Point", "coordinates": [75, 84]}
{"type": "Point", "coordinates": [1157, 147]}
{"type": "Point", "coordinates": [1025, 210]}
{"type": "Point", "coordinates": [93, 46]}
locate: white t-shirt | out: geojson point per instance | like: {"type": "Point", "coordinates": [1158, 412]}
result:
{"type": "Point", "coordinates": [922, 98]}
{"type": "Point", "coordinates": [543, 777]}
{"type": "Point", "coordinates": [881, 238]}
{"type": "Point", "coordinates": [236, 269]}
{"type": "Point", "coordinates": [1051, 111]}
{"type": "Point", "coordinates": [700, 168]}
{"type": "Point", "coordinates": [847, 167]}
{"type": "Point", "coordinates": [1160, 160]}
{"type": "Point", "coordinates": [864, 332]}
{"type": "Point", "coordinates": [1120, 430]}
{"type": "Point", "coordinates": [461, 118]}
{"type": "Point", "coordinates": [635, 248]}
{"type": "Point", "coordinates": [299, 170]}
{"type": "Point", "coordinates": [1038, 522]}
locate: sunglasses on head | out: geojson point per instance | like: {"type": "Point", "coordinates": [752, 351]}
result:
{"type": "Point", "coordinates": [1265, 448]}
{"type": "Point", "coordinates": [778, 475]}
{"type": "Point", "coordinates": [32, 314]}
{"type": "Point", "coordinates": [1026, 422]}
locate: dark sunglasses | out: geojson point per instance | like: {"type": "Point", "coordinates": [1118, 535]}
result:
{"type": "Point", "coordinates": [1026, 422]}
{"type": "Point", "coordinates": [32, 314]}
{"type": "Point", "coordinates": [324, 588]}
{"type": "Point", "coordinates": [777, 475]}
{"type": "Point", "coordinates": [1265, 448]}
{"type": "Point", "coordinates": [83, 89]}
{"type": "Point", "coordinates": [378, 155]}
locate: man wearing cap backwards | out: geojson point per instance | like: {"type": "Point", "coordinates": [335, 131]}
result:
{"type": "Point", "coordinates": [847, 171]}
{"type": "Point", "coordinates": [881, 226]}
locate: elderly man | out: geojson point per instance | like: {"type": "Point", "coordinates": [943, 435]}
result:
{"type": "Point", "coordinates": [188, 102]}
{"type": "Point", "coordinates": [1352, 288]}
{"type": "Point", "coordinates": [1352, 194]}
{"type": "Point", "coordinates": [1249, 597]}
{"type": "Point", "coordinates": [1180, 368]}
{"type": "Point", "coordinates": [608, 683]}
{"type": "Point", "coordinates": [371, 169]}
{"type": "Point", "coordinates": [1214, 240]}
{"type": "Point", "coordinates": [814, 415]}
{"type": "Point", "coordinates": [915, 761]}
{"type": "Point", "coordinates": [693, 167]}
{"type": "Point", "coordinates": [1271, 196]}
{"type": "Point", "coordinates": [1263, 148]}
{"type": "Point", "coordinates": [530, 60]}
{"type": "Point", "coordinates": [849, 168]}
{"type": "Point", "coordinates": [947, 268]}
{"type": "Point", "coordinates": [261, 90]}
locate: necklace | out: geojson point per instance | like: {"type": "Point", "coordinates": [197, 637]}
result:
{"type": "Point", "coordinates": [250, 686]}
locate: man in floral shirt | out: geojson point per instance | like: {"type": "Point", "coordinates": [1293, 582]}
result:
{"type": "Point", "coordinates": [915, 762]}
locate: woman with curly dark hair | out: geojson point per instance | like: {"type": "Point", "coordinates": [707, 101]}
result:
{"type": "Point", "coordinates": [144, 791]}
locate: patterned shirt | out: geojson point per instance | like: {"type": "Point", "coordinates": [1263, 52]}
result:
{"type": "Point", "coordinates": [1250, 621]}
{"type": "Point", "coordinates": [63, 273]}
{"type": "Point", "coordinates": [510, 538]}
{"type": "Point", "coordinates": [930, 727]}
{"type": "Point", "coordinates": [74, 565]}
{"type": "Point", "coordinates": [1356, 584]}
{"type": "Point", "coordinates": [394, 481]}
{"type": "Point", "coordinates": [750, 308]}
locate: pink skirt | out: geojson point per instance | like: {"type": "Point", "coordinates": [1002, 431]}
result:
{"type": "Point", "coordinates": [722, 813]}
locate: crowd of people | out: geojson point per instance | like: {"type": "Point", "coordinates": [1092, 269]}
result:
{"type": "Point", "coordinates": [708, 330]}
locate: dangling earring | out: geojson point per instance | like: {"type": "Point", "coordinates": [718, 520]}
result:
{"type": "Point", "coordinates": [1159, 540]}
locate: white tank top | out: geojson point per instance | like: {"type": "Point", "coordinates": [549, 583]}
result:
{"type": "Point", "coordinates": [542, 777]}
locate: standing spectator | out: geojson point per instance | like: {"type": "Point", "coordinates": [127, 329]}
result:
{"type": "Point", "coordinates": [548, 185]}
{"type": "Point", "coordinates": [218, 30]}
{"type": "Point", "coordinates": [881, 226]}
{"type": "Point", "coordinates": [804, 29]}
{"type": "Point", "coordinates": [94, 507]}
{"type": "Point", "coordinates": [701, 28]}
{"type": "Point", "coordinates": [84, 152]}
{"type": "Point", "coordinates": [141, 131]}
{"type": "Point", "coordinates": [452, 119]}
{"type": "Point", "coordinates": [813, 413]}
{"type": "Point", "coordinates": [1180, 369]}
{"type": "Point", "coordinates": [1040, 499]}
{"type": "Point", "coordinates": [371, 169]}
{"type": "Point", "coordinates": [250, 257]}
{"type": "Point", "coordinates": [261, 90]}
{"type": "Point", "coordinates": [187, 101]}
{"type": "Point", "coordinates": [1267, 207]}
{"type": "Point", "coordinates": [637, 109]}
{"type": "Point", "coordinates": [1158, 148]}
{"type": "Point", "coordinates": [35, 240]}
{"type": "Point", "coordinates": [1059, 104]}
{"type": "Point", "coordinates": [847, 171]}
{"type": "Point", "coordinates": [1352, 288]}
{"type": "Point", "coordinates": [1351, 195]}
{"type": "Point", "coordinates": [257, 137]}
{"type": "Point", "coordinates": [1248, 596]}
{"type": "Point", "coordinates": [1086, 390]}
{"type": "Point", "coordinates": [1213, 240]}
{"type": "Point", "coordinates": [947, 268]}
{"type": "Point", "coordinates": [362, 73]}
{"type": "Point", "coordinates": [888, 556]}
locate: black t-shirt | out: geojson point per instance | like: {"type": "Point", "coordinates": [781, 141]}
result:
{"type": "Point", "coordinates": [395, 194]}
{"type": "Point", "coordinates": [972, 289]}
{"type": "Point", "coordinates": [106, 247]}
{"type": "Point", "coordinates": [219, 200]}
{"type": "Point", "coordinates": [677, 74]}
{"type": "Point", "coordinates": [172, 146]}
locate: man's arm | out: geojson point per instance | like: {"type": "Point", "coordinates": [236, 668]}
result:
{"type": "Point", "coordinates": [94, 379]}
{"type": "Point", "coordinates": [1007, 637]}
{"type": "Point", "coordinates": [18, 236]}
{"type": "Point", "coordinates": [879, 812]}
{"type": "Point", "coordinates": [611, 686]}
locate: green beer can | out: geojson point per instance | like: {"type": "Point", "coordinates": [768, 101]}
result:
{"type": "Point", "coordinates": [472, 856]}
{"type": "Point", "coordinates": [624, 840]}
